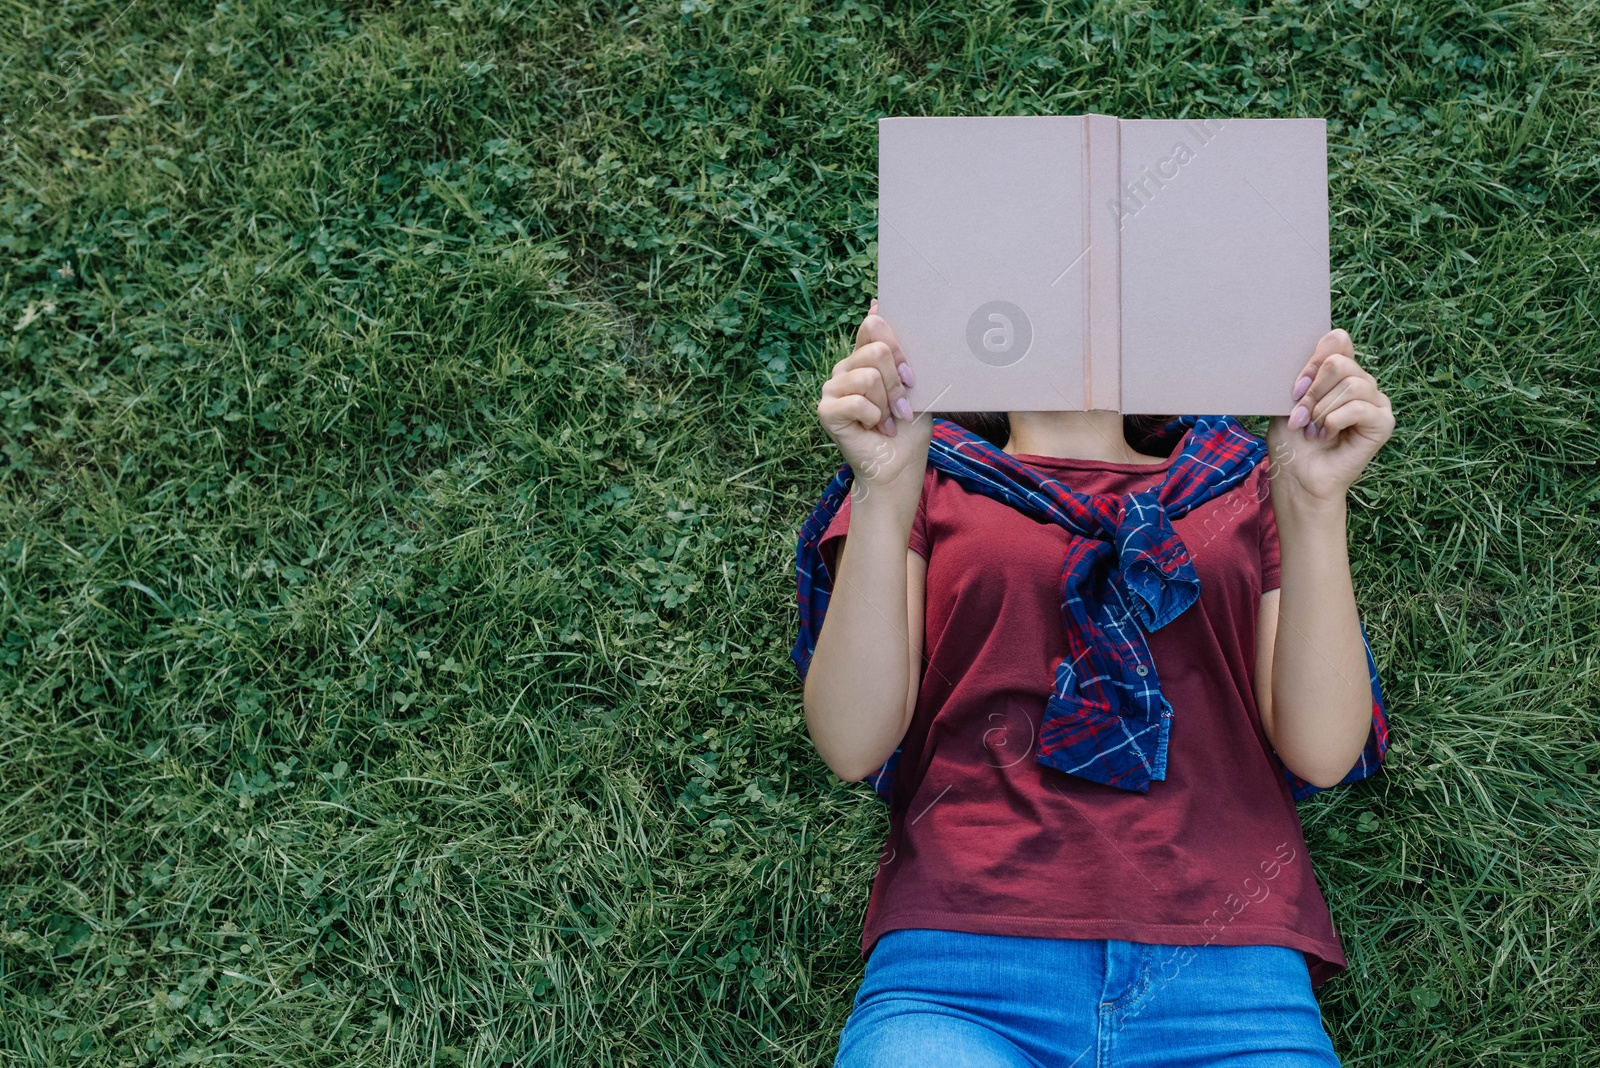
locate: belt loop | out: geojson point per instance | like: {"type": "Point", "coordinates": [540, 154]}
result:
{"type": "Point", "coordinates": [1127, 973]}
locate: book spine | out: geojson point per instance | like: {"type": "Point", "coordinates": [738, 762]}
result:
{"type": "Point", "coordinates": [1102, 386]}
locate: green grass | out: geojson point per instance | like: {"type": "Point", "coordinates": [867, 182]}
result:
{"type": "Point", "coordinates": [407, 416]}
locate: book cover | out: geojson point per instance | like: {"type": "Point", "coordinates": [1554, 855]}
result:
{"type": "Point", "coordinates": [1073, 262]}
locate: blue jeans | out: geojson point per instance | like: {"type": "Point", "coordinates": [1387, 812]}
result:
{"type": "Point", "coordinates": [947, 999]}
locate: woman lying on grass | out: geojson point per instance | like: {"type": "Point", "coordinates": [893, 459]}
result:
{"type": "Point", "coordinates": [1091, 670]}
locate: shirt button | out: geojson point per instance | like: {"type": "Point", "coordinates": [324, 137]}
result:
{"type": "Point", "coordinates": [1141, 670]}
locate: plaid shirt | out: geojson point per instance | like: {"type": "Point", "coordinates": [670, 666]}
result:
{"type": "Point", "coordinates": [1128, 572]}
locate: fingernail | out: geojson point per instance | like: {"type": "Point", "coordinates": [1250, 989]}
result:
{"type": "Point", "coordinates": [874, 307]}
{"type": "Point", "coordinates": [902, 407]}
{"type": "Point", "coordinates": [906, 376]}
{"type": "Point", "coordinates": [1299, 417]}
{"type": "Point", "coordinates": [888, 425]}
{"type": "Point", "coordinates": [1301, 386]}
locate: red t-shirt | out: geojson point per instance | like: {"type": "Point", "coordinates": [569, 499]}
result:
{"type": "Point", "coordinates": [985, 839]}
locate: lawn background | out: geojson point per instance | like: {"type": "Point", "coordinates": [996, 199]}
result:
{"type": "Point", "coordinates": [407, 417]}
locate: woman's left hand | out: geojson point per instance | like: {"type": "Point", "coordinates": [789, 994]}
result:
{"type": "Point", "coordinates": [1340, 422]}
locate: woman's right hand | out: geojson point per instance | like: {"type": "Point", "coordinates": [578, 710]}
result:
{"type": "Point", "coordinates": [865, 410]}
{"type": "Point", "coordinates": [861, 689]}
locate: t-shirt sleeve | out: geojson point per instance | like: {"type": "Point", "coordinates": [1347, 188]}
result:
{"type": "Point", "coordinates": [1271, 572]}
{"type": "Point", "coordinates": [833, 537]}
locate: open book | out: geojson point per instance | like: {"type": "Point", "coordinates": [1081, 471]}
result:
{"type": "Point", "coordinates": [1146, 266]}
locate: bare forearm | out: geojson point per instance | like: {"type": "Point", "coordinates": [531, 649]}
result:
{"type": "Point", "coordinates": [856, 688]}
{"type": "Point", "coordinates": [1321, 697]}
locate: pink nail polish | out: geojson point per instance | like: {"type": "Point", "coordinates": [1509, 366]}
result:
{"type": "Point", "coordinates": [1299, 417]}
{"type": "Point", "coordinates": [1301, 386]}
{"type": "Point", "coordinates": [888, 425]}
{"type": "Point", "coordinates": [906, 376]}
{"type": "Point", "coordinates": [902, 408]}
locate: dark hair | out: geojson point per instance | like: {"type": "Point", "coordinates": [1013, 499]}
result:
{"type": "Point", "coordinates": [995, 427]}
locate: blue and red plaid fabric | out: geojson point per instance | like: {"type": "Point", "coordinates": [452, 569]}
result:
{"type": "Point", "coordinates": [1128, 572]}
